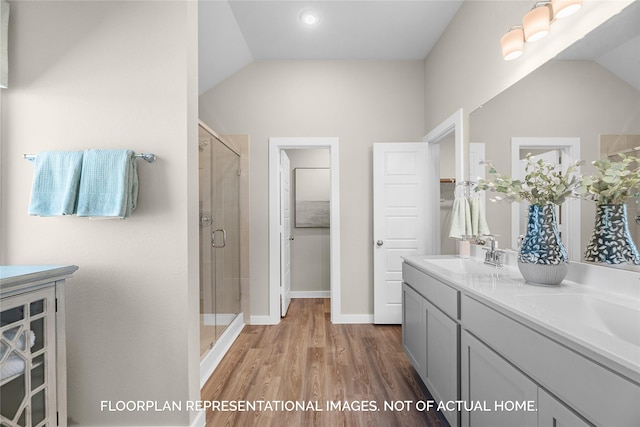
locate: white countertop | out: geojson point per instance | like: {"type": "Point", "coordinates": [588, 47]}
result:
{"type": "Point", "coordinates": [600, 324]}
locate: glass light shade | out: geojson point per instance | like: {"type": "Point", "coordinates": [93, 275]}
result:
{"type": "Point", "coordinates": [536, 23]}
{"type": "Point", "coordinates": [564, 8]}
{"type": "Point", "coordinates": [512, 44]}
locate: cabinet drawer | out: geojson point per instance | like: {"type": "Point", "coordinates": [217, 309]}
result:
{"type": "Point", "coordinates": [600, 395]}
{"type": "Point", "coordinates": [442, 296]}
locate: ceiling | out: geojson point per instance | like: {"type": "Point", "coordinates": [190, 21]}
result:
{"type": "Point", "coordinates": [234, 33]}
{"type": "Point", "coordinates": [615, 45]}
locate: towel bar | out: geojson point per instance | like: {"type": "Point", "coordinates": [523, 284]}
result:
{"type": "Point", "coordinates": [148, 157]}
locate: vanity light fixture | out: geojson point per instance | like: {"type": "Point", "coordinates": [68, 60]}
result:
{"type": "Point", "coordinates": [535, 25]}
{"type": "Point", "coordinates": [564, 8]}
{"type": "Point", "coordinates": [512, 43]}
{"type": "Point", "coordinates": [537, 21]}
{"type": "Point", "coordinates": [309, 17]}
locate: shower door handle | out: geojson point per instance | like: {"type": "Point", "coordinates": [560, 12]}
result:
{"type": "Point", "coordinates": [224, 238]}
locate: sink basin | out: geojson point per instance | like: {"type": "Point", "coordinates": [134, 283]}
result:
{"type": "Point", "coordinates": [613, 319]}
{"type": "Point", "coordinates": [465, 266]}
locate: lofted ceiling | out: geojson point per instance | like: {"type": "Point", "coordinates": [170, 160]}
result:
{"type": "Point", "coordinates": [234, 33]}
{"type": "Point", "coordinates": [615, 45]}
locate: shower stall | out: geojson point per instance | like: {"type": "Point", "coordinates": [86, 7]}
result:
{"type": "Point", "coordinates": [220, 295]}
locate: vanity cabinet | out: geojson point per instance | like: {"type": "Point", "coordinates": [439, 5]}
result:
{"type": "Point", "coordinates": [471, 342]}
{"type": "Point", "coordinates": [552, 413]}
{"type": "Point", "coordinates": [489, 382]}
{"type": "Point", "coordinates": [32, 346]}
{"type": "Point", "coordinates": [431, 336]}
{"type": "Point", "coordinates": [504, 396]}
{"type": "Point", "coordinates": [582, 386]}
{"type": "Point", "coordinates": [414, 329]}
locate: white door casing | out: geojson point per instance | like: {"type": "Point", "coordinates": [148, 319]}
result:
{"type": "Point", "coordinates": [285, 233]}
{"type": "Point", "coordinates": [451, 125]}
{"type": "Point", "coordinates": [399, 220]}
{"type": "Point", "coordinates": [276, 145]}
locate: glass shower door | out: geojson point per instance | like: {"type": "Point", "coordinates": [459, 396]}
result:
{"type": "Point", "coordinates": [219, 239]}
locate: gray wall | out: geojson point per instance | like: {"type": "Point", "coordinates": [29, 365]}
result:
{"type": "Point", "coordinates": [560, 99]}
{"type": "Point", "coordinates": [465, 68]}
{"type": "Point", "coordinates": [360, 102]}
{"type": "Point", "coordinates": [112, 75]}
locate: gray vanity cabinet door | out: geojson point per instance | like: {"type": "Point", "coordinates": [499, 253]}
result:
{"type": "Point", "coordinates": [414, 329]}
{"type": "Point", "coordinates": [552, 413]}
{"type": "Point", "coordinates": [442, 358]}
{"type": "Point", "coordinates": [489, 380]}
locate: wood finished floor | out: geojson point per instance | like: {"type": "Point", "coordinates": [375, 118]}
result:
{"type": "Point", "coordinates": [306, 358]}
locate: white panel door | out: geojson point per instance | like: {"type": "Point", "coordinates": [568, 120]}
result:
{"type": "Point", "coordinates": [399, 220]}
{"type": "Point", "coordinates": [285, 233]}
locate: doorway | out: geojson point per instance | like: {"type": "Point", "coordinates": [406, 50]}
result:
{"type": "Point", "coordinates": [310, 224]}
{"type": "Point", "coordinates": [277, 148]}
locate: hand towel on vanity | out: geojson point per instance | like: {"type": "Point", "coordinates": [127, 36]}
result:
{"type": "Point", "coordinates": [109, 184]}
{"type": "Point", "coordinates": [55, 183]}
{"type": "Point", "coordinates": [460, 218]}
{"type": "Point", "coordinates": [478, 220]}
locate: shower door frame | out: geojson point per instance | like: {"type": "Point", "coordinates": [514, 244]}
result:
{"type": "Point", "coordinates": [217, 231]}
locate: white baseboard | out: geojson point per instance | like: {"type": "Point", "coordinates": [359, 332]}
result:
{"type": "Point", "coordinates": [264, 320]}
{"type": "Point", "coordinates": [353, 318]}
{"type": "Point", "coordinates": [215, 355]}
{"type": "Point", "coordinates": [218, 318]}
{"type": "Point", "coordinates": [310, 294]}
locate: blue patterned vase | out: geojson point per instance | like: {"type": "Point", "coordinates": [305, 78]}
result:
{"type": "Point", "coordinates": [611, 242]}
{"type": "Point", "coordinates": [542, 258]}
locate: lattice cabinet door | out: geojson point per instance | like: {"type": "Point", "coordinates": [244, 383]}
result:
{"type": "Point", "coordinates": [28, 359]}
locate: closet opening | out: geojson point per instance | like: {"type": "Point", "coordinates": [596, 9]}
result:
{"type": "Point", "coordinates": [304, 223]}
{"type": "Point", "coordinates": [310, 223]}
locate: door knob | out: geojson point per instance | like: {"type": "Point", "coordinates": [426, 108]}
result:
{"type": "Point", "coordinates": [379, 242]}
{"type": "Point", "coordinates": [291, 238]}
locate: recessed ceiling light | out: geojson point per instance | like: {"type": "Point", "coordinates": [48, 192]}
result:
{"type": "Point", "coordinates": [309, 17]}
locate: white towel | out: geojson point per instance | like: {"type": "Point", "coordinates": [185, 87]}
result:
{"type": "Point", "coordinates": [14, 363]}
{"type": "Point", "coordinates": [478, 221]}
{"type": "Point", "coordinates": [460, 219]}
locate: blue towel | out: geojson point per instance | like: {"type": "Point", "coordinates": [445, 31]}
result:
{"type": "Point", "coordinates": [55, 183]}
{"type": "Point", "coordinates": [109, 184]}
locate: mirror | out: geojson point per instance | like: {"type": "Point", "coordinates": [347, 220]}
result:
{"type": "Point", "coordinates": [587, 93]}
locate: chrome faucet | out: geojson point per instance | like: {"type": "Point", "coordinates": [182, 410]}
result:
{"type": "Point", "coordinates": [494, 256]}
